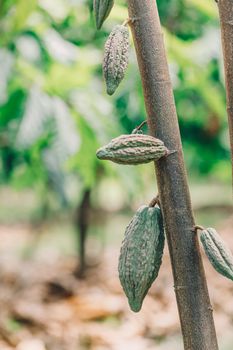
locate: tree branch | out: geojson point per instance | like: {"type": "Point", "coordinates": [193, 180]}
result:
{"type": "Point", "coordinates": [226, 22]}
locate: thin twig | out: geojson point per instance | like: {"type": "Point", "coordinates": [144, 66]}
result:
{"type": "Point", "coordinates": [139, 127]}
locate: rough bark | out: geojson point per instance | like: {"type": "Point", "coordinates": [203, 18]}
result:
{"type": "Point", "coordinates": [189, 279]}
{"type": "Point", "coordinates": [226, 22]}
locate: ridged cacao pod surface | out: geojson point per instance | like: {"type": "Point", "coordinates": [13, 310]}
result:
{"type": "Point", "coordinates": [141, 254]}
{"type": "Point", "coordinates": [102, 9]}
{"type": "Point", "coordinates": [217, 252]}
{"type": "Point", "coordinates": [133, 149]}
{"type": "Point", "coordinates": [116, 56]}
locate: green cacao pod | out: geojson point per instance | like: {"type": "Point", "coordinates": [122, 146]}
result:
{"type": "Point", "coordinates": [133, 149]}
{"type": "Point", "coordinates": [217, 252]}
{"type": "Point", "coordinates": [102, 9]}
{"type": "Point", "coordinates": [141, 254]}
{"type": "Point", "coordinates": [116, 56]}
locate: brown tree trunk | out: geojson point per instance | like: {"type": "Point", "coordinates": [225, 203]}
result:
{"type": "Point", "coordinates": [189, 279]}
{"type": "Point", "coordinates": [82, 217]}
{"type": "Point", "coordinates": [226, 22]}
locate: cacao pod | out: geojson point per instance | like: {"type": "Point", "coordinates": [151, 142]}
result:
{"type": "Point", "coordinates": [217, 252]}
{"type": "Point", "coordinates": [102, 9]}
{"type": "Point", "coordinates": [133, 149]}
{"type": "Point", "coordinates": [141, 254]}
{"type": "Point", "coordinates": [116, 56]}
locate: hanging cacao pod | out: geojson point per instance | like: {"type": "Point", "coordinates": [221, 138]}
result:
{"type": "Point", "coordinates": [133, 149]}
{"type": "Point", "coordinates": [116, 56]}
{"type": "Point", "coordinates": [141, 254]}
{"type": "Point", "coordinates": [217, 252]}
{"type": "Point", "coordinates": [102, 9]}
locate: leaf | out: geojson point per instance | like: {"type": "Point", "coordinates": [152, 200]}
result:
{"type": "Point", "coordinates": [6, 63]}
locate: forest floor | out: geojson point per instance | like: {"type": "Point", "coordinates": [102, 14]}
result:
{"type": "Point", "coordinates": [45, 307]}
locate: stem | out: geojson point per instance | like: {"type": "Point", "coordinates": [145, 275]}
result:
{"type": "Point", "coordinates": [154, 201]}
{"type": "Point", "coordinates": [198, 227]}
{"type": "Point", "coordinates": [139, 127]}
{"type": "Point", "coordinates": [226, 22]}
{"type": "Point", "coordinates": [193, 300]}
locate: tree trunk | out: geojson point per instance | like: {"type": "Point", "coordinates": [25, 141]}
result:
{"type": "Point", "coordinates": [226, 22]}
{"type": "Point", "coordinates": [82, 224]}
{"type": "Point", "coordinates": [189, 279]}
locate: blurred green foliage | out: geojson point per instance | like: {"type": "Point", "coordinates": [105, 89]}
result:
{"type": "Point", "coordinates": [54, 111]}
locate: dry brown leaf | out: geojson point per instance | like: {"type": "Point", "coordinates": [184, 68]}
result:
{"type": "Point", "coordinates": [96, 306]}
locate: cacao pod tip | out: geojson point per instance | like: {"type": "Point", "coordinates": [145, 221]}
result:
{"type": "Point", "coordinates": [102, 9]}
{"type": "Point", "coordinates": [101, 153]}
{"type": "Point", "coordinates": [111, 89]}
{"type": "Point", "coordinates": [99, 22]}
{"type": "Point", "coordinates": [135, 306]}
{"type": "Point", "coordinates": [98, 25]}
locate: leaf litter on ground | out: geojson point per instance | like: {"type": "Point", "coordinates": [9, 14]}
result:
{"type": "Point", "coordinates": [45, 307]}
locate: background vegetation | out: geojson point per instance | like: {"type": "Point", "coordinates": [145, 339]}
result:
{"type": "Point", "coordinates": [54, 109]}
